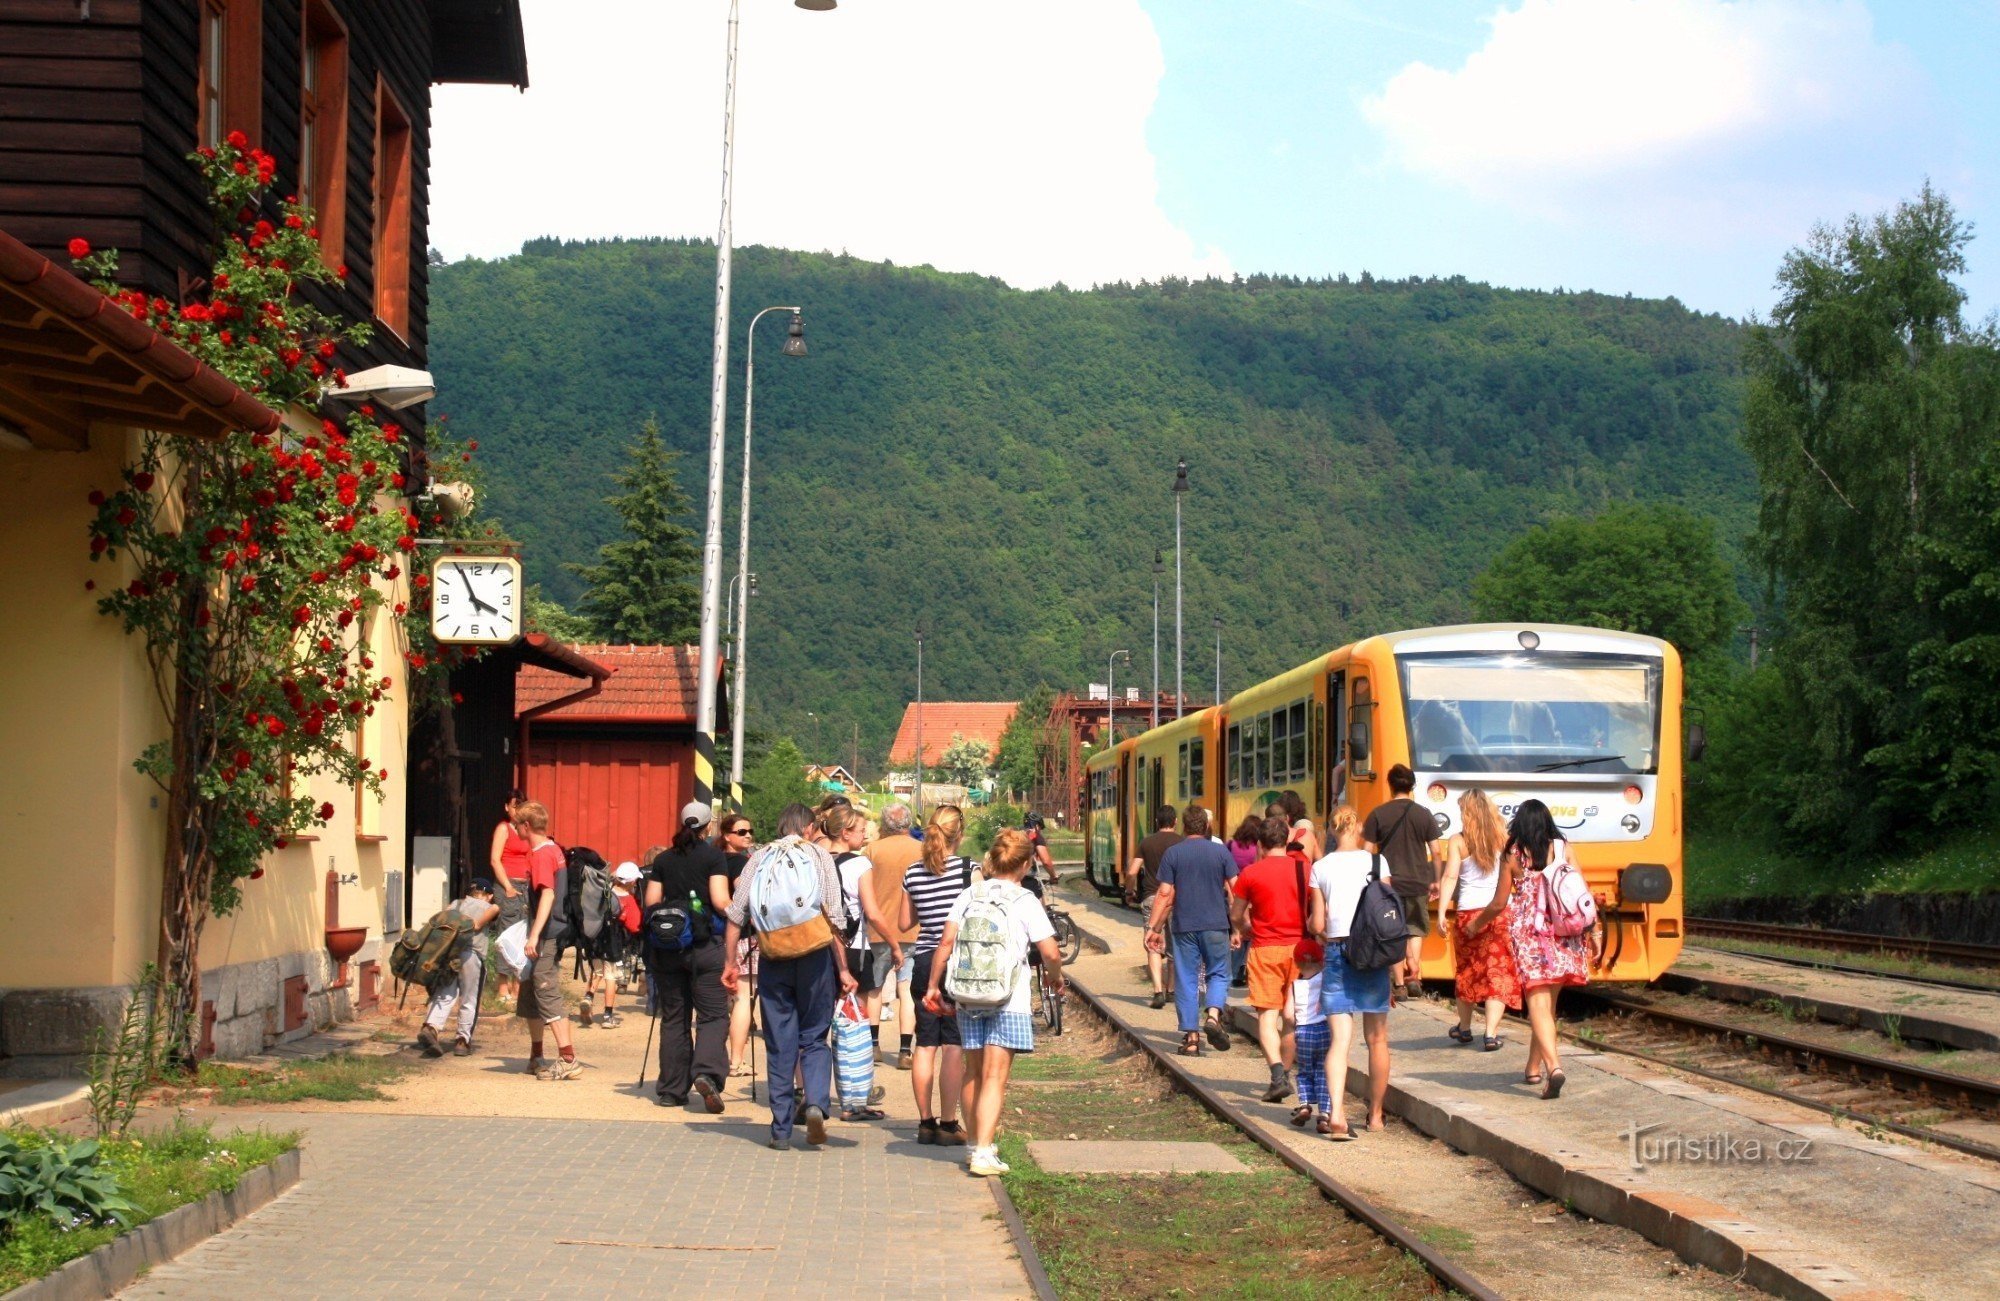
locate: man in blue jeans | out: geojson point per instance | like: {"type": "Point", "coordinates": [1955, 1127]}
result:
{"type": "Point", "coordinates": [1194, 892]}
{"type": "Point", "coordinates": [796, 996]}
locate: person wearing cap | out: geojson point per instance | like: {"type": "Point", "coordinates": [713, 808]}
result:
{"type": "Point", "coordinates": [693, 873]}
{"type": "Point", "coordinates": [479, 908]}
{"type": "Point", "coordinates": [624, 880]}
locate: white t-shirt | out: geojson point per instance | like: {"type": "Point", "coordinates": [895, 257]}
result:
{"type": "Point", "coordinates": [853, 866]}
{"type": "Point", "coordinates": [1030, 922]}
{"type": "Point", "coordinates": [1340, 877]}
{"type": "Point", "coordinates": [1305, 1000]}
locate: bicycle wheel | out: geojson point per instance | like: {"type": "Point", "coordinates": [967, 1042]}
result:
{"type": "Point", "coordinates": [1052, 1010]}
{"type": "Point", "coordinates": [1041, 1004]}
{"type": "Point", "coordinates": [1068, 939]}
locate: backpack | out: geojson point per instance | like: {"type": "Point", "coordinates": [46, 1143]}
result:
{"type": "Point", "coordinates": [785, 902]}
{"type": "Point", "coordinates": [426, 955]}
{"type": "Point", "coordinates": [1378, 936]}
{"type": "Point", "coordinates": [583, 900]}
{"type": "Point", "coordinates": [675, 926]}
{"type": "Point", "coordinates": [985, 964]}
{"type": "Point", "coordinates": [1571, 910]}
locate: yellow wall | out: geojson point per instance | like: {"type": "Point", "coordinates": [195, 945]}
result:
{"type": "Point", "coordinates": [82, 827]}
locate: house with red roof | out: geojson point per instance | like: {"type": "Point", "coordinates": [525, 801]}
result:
{"type": "Point", "coordinates": [614, 765]}
{"type": "Point", "coordinates": [938, 721]}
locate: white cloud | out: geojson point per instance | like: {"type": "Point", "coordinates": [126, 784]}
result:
{"type": "Point", "coordinates": [1004, 139]}
{"type": "Point", "coordinates": [1680, 112]}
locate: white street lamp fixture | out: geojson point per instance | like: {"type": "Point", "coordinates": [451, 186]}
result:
{"type": "Point", "coordinates": [395, 387]}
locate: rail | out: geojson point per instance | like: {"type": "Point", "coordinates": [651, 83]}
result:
{"type": "Point", "coordinates": [1970, 955]}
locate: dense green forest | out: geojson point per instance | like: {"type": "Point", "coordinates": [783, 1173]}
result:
{"type": "Point", "coordinates": [996, 463]}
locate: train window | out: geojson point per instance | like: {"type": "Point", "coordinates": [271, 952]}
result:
{"type": "Point", "coordinates": [1260, 750]}
{"type": "Point", "coordinates": [1298, 740]}
{"type": "Point", "coordinates": [1360, 732]}
{"type": "Point", "coordinates": [1280, 746]}
{"type": "Point", "coordinates": [1232, 760]}
{"type": "Point", "coordinates": [1196, 770]}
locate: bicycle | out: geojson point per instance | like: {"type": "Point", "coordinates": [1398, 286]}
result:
{"type": "Point", "coordinates": [1069, 940]}
{"type": "Point", "coordinates": [1048, 1005]}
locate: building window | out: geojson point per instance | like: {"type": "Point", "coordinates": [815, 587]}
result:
{"type": "Point", "coordinates": [229, 92]}
{"type": "Point", "coordinates": [323, 124]}
{"type": "Point", "coordinates": [392, 212]}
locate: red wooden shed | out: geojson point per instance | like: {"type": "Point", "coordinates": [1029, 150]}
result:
{"type": "Point", "coordinates": [613, 767]}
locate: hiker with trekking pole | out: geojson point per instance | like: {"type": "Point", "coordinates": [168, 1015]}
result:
{"type": "Point", "coordinates": [687, 892]}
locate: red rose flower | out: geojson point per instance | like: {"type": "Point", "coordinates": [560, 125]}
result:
{"type": "Point", "coordinates": [326, 812]}
{"type": "Point", "coordinates": [79, 249]}
{"type": "Point", "coordinates": [237, 140]}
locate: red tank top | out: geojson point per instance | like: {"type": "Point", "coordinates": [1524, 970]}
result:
{"type": "Point", "coordinates": [514, 854]}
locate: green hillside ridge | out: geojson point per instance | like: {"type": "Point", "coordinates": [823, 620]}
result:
{"type": "Point", "coordinates": [996, 462]}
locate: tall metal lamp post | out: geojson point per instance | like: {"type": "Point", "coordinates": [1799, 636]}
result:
{"type": "Point", "coordinates": [1218, 659]}
{"type": "Point", "coordinates": [1159, 566]}
{"type": "Point", "coordinates": [795, 346]}
{"type": "Point", "coordinates": [1111, 696]}
{"type": "Point", "coordinates": [718, 403]}
{"type": "Point", "coordinates": [920, 725]}
{"type": "Point", "coordinates": [1180, 490]}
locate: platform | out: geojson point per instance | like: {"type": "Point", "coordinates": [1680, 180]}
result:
{"type": "Point", "coordinates": [1821, 1211]}
{"type": "Point", "coordinates": [1953, 1018]}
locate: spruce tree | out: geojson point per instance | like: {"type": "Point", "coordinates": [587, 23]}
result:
{"type": "Point", "coordinates": [642, 587]}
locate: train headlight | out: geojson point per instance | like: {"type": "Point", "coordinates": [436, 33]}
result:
{"type": "Point", "coordinates": [1633, 795]}
{"type": "Point", "coordinates": [1436, 791]}
{"type": "Point", "coordinates": [1529, 639]}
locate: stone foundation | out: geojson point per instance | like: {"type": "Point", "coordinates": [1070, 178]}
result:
{"type": "Point", "coordinates": [49, 1032]}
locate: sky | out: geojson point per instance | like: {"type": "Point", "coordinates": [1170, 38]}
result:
{"type": "Point", "coordinates": [1652, 147]}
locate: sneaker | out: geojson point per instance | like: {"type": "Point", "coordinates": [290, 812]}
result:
{"type": "Point", "coordinates": [536, 1065]}
{"type": "Point", "coordinates": [927, 1132]}
{"type": "Point", "coordinates": [583, 1014]}
{"type": "Point", "coordinates": [711, 1094]}
{"type": "Point", "coordinates": [427, 1039]}
{"type": "Point", "coordinates": [815, 1126]}
{"type": "Point", "coordinates": [986, 1163]}
{"type": "Point", "coordinates": [951, 1134]}
{"type": "Point", "coordinates": [903, 1060]}
{"type": "Point", "coordinates": [610, 1021]}
{"type": "Point", "coordinates": [563, 1070]}
{"type": "Point", "coordinates": [463, 1048]}
{"type": "Point", "coordinates": [1280, 1087]}
{"type": "Point", "coordinates": [1160, 997]}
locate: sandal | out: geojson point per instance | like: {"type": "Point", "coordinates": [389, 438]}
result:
{"type": "Point", "coordinates": [1460, 1034]}
{"type": "Point", "coordinates": [1554, 1088]}
{"type": "Point", "coordinates": [1492, 1044]}
{"type": "Point", "coordinates": [1191, 1044]}
{"type": "Point", "coordinates": [1531, 1079]}
{"type": "Point", "coordinates": [1338, 1132]}
{"type": "Point", "coordinates": [854, 1115]}
{"type": "Point", "coordinates": [1301, 1114]}
{"type": "Point", "coordinates": [1218, 1037]}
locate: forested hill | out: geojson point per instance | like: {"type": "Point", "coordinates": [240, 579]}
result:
{"type": "Point", "coordinates": [997, 463]}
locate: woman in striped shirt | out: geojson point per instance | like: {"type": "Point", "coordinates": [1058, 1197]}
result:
{"type": "Point", "coordinates": [932, 885]}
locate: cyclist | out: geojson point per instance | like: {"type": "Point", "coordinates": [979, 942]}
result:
{"type": "Point", "coordinates": [1043, 859]}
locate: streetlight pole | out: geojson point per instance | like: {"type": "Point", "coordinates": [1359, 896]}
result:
{"type": "Point", "coordinates": [1158, 566]}
{"type": "Point", "coordinates": [920, 725]}
{"type": "Point", "coordinates": [1180, 490]}
{"type": "Point", "coordinates": [1218, 659]}
{"type": "Point", "coordinates": [1111, 696]}
{"type": "Point", "coordinates": [795, 346]}
{"type": "Point", "coordinates": [718, 402]}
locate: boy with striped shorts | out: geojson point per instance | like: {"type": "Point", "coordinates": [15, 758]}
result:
{"type": "Point", "coordinates": [991, 1037]}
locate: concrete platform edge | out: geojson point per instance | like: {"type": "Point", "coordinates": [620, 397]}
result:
{"type": "Point", "coordinates": [118, 1262]}
{"type": "Point", "coordinates": [46, 1103]}
{"type": "Point", "coordinates": [1017, 1228]}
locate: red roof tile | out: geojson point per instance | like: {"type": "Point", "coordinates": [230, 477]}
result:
{"type": "Point", "coordinates": [653, 684]}
{"type": "Point", "coordinates": [975, 720]}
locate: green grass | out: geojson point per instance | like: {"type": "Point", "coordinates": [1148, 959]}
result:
{"type": "Point", "coordinates": [342, 1077]}
{"type": "Point", "coordinates": [158, 1170]}
{"type": "Point", "coordinates": [1736, 867]}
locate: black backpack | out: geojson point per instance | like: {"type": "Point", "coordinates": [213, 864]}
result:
{"type": "Point", "coordinates": [1378, 936]}
{"type": "Point", "coordinates": [677, 925]}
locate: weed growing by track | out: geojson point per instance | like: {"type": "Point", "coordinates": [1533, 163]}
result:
{"type": "Point", "coordinates": [1267, 1233]}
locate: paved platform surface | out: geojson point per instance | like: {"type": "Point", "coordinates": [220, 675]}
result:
{"type": "Point", "coordinates": [1959, 1018]}
{"type": "Point", "coordinates": [426, 1205]}
{"type": "Point", "coordinates": [1138, 1157]}
{"type": "Point", "coordinates": [1841, 1221]}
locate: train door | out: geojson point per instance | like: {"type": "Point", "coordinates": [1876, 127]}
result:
{"type": "Point", "coordinates": [1334, 770]}
{"type": "Point", "coordinates": [1127, 797]}
{"type": "Point", "coordinates": [1159, 786]}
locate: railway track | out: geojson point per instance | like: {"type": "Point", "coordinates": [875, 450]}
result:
{"type": "Point", "coordinates": [1946, 951]}
{"type": "Point", "coordinates": [1447, 1272]}
{"type": "Point", "coordinates": [1899, 1097]}
{"type": "Point", "coordinates": [1849, 969]}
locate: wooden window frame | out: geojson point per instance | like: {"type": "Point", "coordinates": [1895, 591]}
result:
{"type": "Point", "coordinates": [395, 142]}
{"type": "Point", "coordinates": [237, 104]}
{"type": "Point", "coordinates": [323, 121]}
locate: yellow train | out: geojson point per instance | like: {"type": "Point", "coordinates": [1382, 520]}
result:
{"type": "Point", "coordinates": [1584, 719]}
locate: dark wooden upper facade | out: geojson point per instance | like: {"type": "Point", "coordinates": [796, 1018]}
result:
{"type": "Point", "coordinates": [101, 103]}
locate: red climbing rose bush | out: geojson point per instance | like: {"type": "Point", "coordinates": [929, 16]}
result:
{"type": "Point", "coordinates": [273, 575]}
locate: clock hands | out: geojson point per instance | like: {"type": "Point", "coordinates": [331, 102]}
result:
{"type": "Point", "coordinates": [477, 603]}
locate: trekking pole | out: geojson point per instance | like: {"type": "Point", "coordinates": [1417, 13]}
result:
{"type": "Point", "coordinates": [646, 1053]}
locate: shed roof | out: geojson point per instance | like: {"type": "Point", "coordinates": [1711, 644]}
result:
{"type": "Point", "coordinates": [648, 684]}
{"type": "Point", "coordinates": [975, 720]}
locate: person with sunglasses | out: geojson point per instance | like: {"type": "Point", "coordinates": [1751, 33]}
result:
{"type": "Point", "coordinates": [735, 836]}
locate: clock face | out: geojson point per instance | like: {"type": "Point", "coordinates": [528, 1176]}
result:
{"type": "Point", "coordinates": [476, 599]}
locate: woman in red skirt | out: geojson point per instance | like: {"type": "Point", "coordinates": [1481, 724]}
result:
{"type": "Point", "coordinates": [1478, 882]}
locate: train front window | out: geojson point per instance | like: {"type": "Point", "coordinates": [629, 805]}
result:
{"type": "Point", "coordinates": [1541, 712]}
